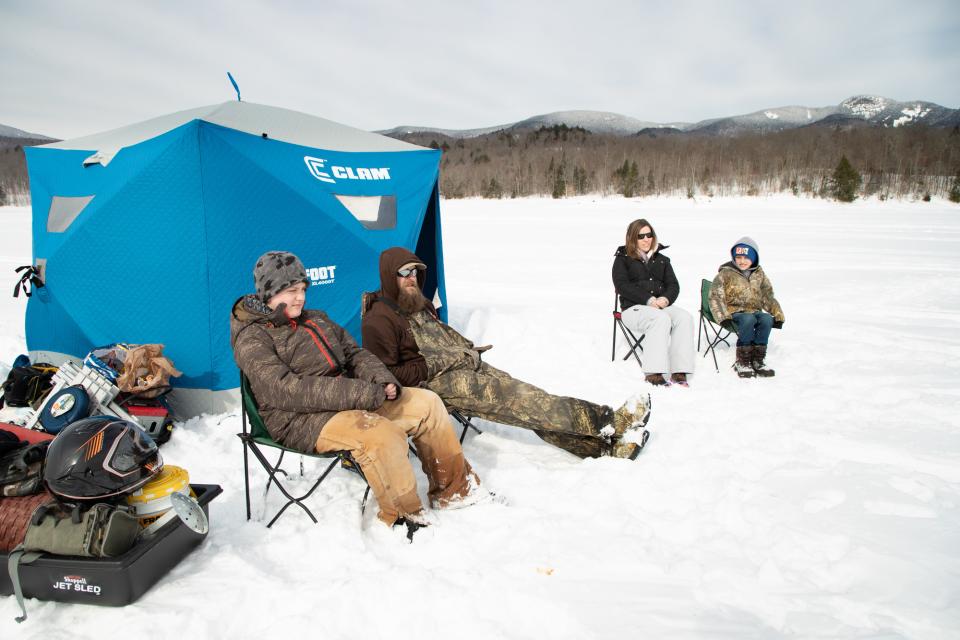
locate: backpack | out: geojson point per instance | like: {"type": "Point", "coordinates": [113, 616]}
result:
{"type": "Point", "coordinates": [28, 384]}
{"type": "Point", "coordinates": [101, 531]}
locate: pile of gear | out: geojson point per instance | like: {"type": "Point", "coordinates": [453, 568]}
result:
{"type": "Point", "coordinates": [76, 484]}
{"type": "Point", "coordinates": [129, 382]}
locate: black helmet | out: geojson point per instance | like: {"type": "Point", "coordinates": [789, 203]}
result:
{"type": "Point", "coordinates": [100, 457]}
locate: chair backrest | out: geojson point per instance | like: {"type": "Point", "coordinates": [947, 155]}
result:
{"type": "Point", "coordinates": [367, 298]}
{"type": "Point", "coordinates": [257, 428]}
{"type": "Point", "coordinates": [705, 286]}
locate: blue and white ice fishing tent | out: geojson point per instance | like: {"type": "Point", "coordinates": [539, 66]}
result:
{"type": "Point", "coordinates": [149, 233]}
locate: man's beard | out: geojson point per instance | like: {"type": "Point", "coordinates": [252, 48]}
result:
{"type": "Point", "coordinates": [411, 300]}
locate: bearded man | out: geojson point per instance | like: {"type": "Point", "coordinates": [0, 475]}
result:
{"type": "Point", "coordinates": [401, 327]}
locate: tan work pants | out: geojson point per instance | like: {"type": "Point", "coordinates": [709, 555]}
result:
{"type": "Point", "coordinates": [378, 442]}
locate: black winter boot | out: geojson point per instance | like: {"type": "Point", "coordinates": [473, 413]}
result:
{"type": "Point", "coordinates": [744, 366]}
{"type": "Point", "coordinates": [759, 355]}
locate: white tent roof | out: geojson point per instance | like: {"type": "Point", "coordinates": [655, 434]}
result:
{"type": "Point", "coordinates": [279, 124]}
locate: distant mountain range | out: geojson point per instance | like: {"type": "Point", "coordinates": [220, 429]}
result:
{"type": "Point", "coordinates": [10, 132]}
{"type": "Point", "coordinates": [856, 111]}
{"type": "Point", "coordinates": [862, 110]}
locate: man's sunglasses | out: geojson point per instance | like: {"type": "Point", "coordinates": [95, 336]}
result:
{"type": "Point", "coordinates": [406, 273]}
{"type": "Point", "coordinates": [641, 236]}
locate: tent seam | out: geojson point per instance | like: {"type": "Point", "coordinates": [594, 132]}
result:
{"type": "Point", "coordinates": [206, 254]}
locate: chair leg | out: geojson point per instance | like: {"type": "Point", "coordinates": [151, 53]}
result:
{"type": "Point", "coordinates": [246, 463]}
{"type": "Point", "coordinates": [277, 469]}
{"type": "Point", "coordinates": [465, 422]}
{"type": "Point", "coordinates": [613, 349]}
{"type": "Point", "coordinates": [712, 343]}
{"type": "Point", "coordinates": [632, 339]}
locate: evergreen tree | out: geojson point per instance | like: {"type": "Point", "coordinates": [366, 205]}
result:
{"type": "Point", "coordinates": [954, 194]}
{"type": "Point", "coordinates": [846, 181]}
{"type": "Point", "coordinates": [492, 189]}
{"type": "Point", "coordinates": [627, 179]}
{"type": "Point", "coordinates": [581, 181]}
{"type": "Point", "coordinates": [3, 196]}
{"type": "Point", "coordinates": [559, 181]}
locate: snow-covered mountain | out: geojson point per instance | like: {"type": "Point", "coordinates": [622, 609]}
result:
{"type": "Point", "coordinates": [863, 109]}
{"type": "Point", "coordinates": [871, 110]}
{"type": "Point", "coordinates": [11, 132]}
{"type": "Point", "coordinates": [593, 121]}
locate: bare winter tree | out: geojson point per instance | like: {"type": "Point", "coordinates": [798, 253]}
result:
{"type": "Point", "coordinates": [558, 161]}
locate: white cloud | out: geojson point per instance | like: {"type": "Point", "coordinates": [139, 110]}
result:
{"type": "Point", "coordinates": [71, 68]}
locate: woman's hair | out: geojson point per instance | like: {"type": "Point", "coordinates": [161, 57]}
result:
{"type": "Point", "coordinates": [633, 230]}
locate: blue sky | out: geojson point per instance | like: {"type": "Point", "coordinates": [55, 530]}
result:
{"type": "Point", "coordinates": [72, 68]}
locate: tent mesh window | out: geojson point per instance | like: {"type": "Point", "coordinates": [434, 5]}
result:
{"type": "Point", "coordinates": [373, 212]}
{"type": "Point", "coordinates": [63, 211]}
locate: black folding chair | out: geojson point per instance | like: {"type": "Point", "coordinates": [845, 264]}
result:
{"type": "Point", "coordinates": [257, 437]}
{"type": "Point", "coordinates": [708, 322]}
{"type": "Point", "coordinates": [633, 341]}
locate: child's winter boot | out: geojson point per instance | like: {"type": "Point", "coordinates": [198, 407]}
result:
{"type": "Point", "coordinates": [744, 365]}
{"type": "Point", "coordinates": [759, 366]}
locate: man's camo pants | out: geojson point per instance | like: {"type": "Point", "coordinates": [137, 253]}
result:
{"type": "Point", "coordinates": [489, 393]}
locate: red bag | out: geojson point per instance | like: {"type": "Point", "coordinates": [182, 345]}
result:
{"type": "Point", "coordinates": [15, 517]}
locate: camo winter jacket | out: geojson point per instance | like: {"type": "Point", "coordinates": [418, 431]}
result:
{"type": "Point", "coordinates": [302, 371]}
{"type": "Point", "coordinates": [735, 291]}
{"type": "Point", "coordinates": [416, 348]}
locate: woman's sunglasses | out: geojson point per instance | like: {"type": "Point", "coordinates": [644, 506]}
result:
{"type": "Point", "coordinates": [641, 236]}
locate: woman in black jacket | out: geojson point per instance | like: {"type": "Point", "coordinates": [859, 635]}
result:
{"type": "Point", "coordinates": [647, 286]}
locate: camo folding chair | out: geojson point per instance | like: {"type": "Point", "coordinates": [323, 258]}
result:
{"type": "Point", "coordinates": [634, 342]}
{"type": "Point", "coordinates": [709, 324]}
{"type": "Point", "coordinates": [257, 438]}
{"type": "Point", "coordinates": [366, 301]}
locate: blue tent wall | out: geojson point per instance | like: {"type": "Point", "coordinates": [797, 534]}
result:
{"type": "Point", "coordinates": [169, 241]}
{"type": "Point", "coordinates": [120, 271]}
{"type": "Point", "coordinates": [430, 249]}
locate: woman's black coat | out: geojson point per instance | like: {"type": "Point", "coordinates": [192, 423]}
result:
{"type": "Point", "coordinates": [637, 281]}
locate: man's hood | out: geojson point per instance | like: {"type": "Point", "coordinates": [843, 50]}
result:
{"type": "Point", "coordinates": [390, 262]}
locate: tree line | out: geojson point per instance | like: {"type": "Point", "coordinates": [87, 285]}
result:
{"type": "Point", "coordinates": [14, 185]}
{"type": "Point", "coordinates": [560, 161]}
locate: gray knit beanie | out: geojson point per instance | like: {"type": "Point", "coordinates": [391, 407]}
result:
{"type": "Point", "coordinates": [275, 271]}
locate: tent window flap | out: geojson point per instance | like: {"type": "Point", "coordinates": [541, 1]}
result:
{"type": "Point", "coordinates": [373, 212]}
{"type": "Point", "coordinates": [63, 211]}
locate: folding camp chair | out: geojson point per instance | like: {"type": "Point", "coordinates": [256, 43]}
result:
{"type": "Point", "coordinates": [257, 437]}
{"type": "Point", "coordinates": [632, 340]}
{"type": "Point", "coordinates": [367, 298]}
{"type": "Point", "coordinates": [707, 321]}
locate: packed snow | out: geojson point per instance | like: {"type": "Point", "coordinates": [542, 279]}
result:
{"type": "Point", "coordinates": [909, 114]}
{"type": "Point", "coordinates": [822, 503]}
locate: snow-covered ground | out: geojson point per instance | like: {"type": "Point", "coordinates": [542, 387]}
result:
{"type": "Point", "coordinates": [822, 503]}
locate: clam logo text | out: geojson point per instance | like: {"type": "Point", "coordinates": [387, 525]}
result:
{"type": "Point", "coordinates": [321, 275]}
{"type": "Point", "coordinates": [319, 170]}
